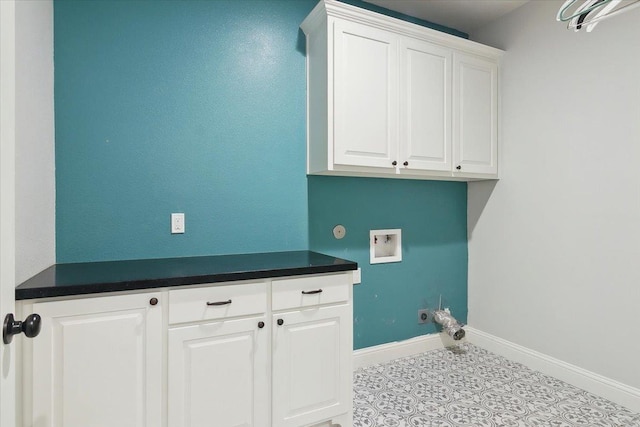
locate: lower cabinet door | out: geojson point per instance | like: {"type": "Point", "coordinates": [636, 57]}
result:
{"type": "Point", "coordinates": [312, 366]}
{"type": "Point", "coordinates": [97, 362]}
{"type": "Point", "coordinates": [218, 374]}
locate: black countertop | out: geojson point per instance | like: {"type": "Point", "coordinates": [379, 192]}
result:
{"type": "Point", "coordinates": [112, 276]}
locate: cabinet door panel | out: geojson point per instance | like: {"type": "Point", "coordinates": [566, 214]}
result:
{"type": "Point", "coordinates": [311, 365]}
{"type": "Point", "coordinates": [97, 362]}
{"type": "Point", "coordinates": [218, 374]}
{"type": "Point", "coordinates": [425, 137]}
{"type": "Point", "coordinates": [476, 115]}
{"type": "Point", "coordinates": [365, 113]}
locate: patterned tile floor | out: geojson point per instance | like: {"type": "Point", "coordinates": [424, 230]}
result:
{"type": "Point", "coordinates": [469, 386]}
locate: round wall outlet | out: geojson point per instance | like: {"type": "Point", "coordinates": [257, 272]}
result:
{"type": "Point", "coordinates": [339, 231]}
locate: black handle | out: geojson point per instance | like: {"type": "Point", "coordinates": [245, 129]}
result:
{"type": "Point", "coordinates": [406, 163]}
{"type": "Point", "coordinates": [31, 327]}
{"type": "Point", "coordinates": [261, 325]}
{"type": "Point", "coordinates": [317, 291]}
{"type": "Point", "coordinates": [458, 167]}
{"type": "Point", "coordinates": [219, 302]}
{"type": "Point", "coordinates": [280, 322]}
{"type": "Point", "coordinates": [394, 163]}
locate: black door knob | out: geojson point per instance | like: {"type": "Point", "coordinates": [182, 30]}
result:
{"type": "Point", "coordinates": [394, 163]}
{"type": "Point", "coordinates": [280, 322]}
{"type": "Point", "coordinates": [458, 167]}
{"type": "Point", "coordinates": [31, 327]}
{"type": "Point", "coordinates": [260, 325]}
{"type": "Point", "coordinates": [406, 163]}
{"type": "Point", "coordinates": [153, 301]}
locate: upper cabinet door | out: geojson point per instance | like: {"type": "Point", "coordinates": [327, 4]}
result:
{"type": "Point", "coordinates": [475, 106]}
{"type": "Point", "coordinates": [425, 106]}
{"type": "Point", "coordinates": [366, 93]}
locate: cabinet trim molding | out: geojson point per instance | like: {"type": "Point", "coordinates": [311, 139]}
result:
{"type": "Point", "coordinates": [337, 9]}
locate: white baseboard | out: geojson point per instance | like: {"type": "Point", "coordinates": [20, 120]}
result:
{"type": "Point", "coordinates": [615, 391]}
{"type": "Point", "coordinates": [386, 352]}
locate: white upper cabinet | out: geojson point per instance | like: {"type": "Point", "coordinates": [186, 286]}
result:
{"type": "Point", "coordinates": [475, 103]}
{"type": "Point", "coordinates": [389, 98]}
{"type": "Point", "coordinates": [425, 89]}
{"type": "Point", "coordinates": [365, 132]}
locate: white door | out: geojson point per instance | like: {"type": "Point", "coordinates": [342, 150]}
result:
{"type": "Point", "coordinates": [365, 96]}
{"type": "Point", "coordinates": [311, 365]}
{"type": "Point", "coordinates": [219, 374]}
{"type": "Point", "coordinates": [475, 118]}
{"type": "Point", "coordinates": [97, 362]}
{"type": "Point", "coordinates": [425, 106]}
{"type": "Point", "coordinates": [7, 206]}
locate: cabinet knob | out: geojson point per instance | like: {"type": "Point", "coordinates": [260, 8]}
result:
{"type": "Point", "coordinates": [261, 325]}
{"type": "Point", "coordinates": [280, 322]}
{"type": "Point", "coordinates": [406, 163]}
{"type": "Point", "coordinates": [458, 167]}
{"type": "Point", "coordinates": [394, 163]}
{"type": "Point", "coordinates": [153, 301]}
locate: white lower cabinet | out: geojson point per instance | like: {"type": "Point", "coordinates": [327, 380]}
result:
{"type": "Point", "coordinates": [97, 362]}
{"type": "Point", "coordinates": [269, 353]}
{"type": "Point", "coordinates": [310, 363]}
{"type": "Point", "coordinates": [218, 374]}
{"type": "Point", "coordinates": [312, 350]}
{"type": "Point", "coordinates": [218, 368]}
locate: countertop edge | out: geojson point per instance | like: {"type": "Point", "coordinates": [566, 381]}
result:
{"type": "Point", "coordinates": [30, 293]}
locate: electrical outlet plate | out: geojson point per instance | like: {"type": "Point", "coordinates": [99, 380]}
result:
{"type": "Point", "coordinates": [177, 223]}
{"type": "Point", "coordinates": [424, 316]}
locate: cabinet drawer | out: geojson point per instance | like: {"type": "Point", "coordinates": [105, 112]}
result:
{"type": "Point", "coordinates": [303, 291]}
{"type": "Point", "coordinates": [196, 304]}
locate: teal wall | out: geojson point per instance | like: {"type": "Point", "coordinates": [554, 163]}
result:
{"type": "Point", "coordinates": [199, 107]}
{"type": "Point", "coordinates": [433, 219]}
{"type": "Point", "coordinates": [179, 106]}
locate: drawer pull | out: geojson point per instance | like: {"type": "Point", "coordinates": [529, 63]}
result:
{"type": "Point", "coordinates": [317, 291]}
{"type": "Point", "coordinates": [219, 302]}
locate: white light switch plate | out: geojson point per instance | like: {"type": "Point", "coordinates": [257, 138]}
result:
{"type": "Point", "coordinates": [177, 223]}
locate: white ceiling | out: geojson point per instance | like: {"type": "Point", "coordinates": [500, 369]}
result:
{"type": "Point", "coordinates": [463, 15]}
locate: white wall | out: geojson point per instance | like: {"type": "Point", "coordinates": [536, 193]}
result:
{"type": "Point", "coordinates": [35, 166]}
{"type": "Point", "coordinates": [554, 248]}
